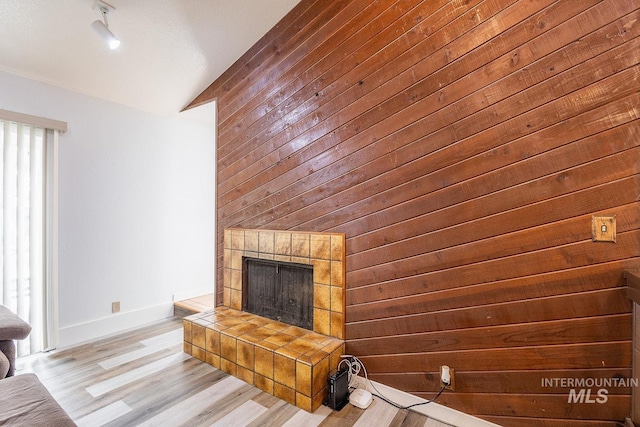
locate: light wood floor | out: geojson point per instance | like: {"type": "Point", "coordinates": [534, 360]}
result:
{"type": "Point", "coordinates": [142, 378]}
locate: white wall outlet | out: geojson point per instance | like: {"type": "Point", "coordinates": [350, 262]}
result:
{"type": "Point", "coordinates": [447, 378]}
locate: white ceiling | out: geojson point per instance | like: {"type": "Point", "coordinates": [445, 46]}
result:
{"type": "Point", "coordinates": [170, 51]}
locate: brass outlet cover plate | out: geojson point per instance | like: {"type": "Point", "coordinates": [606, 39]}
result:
{"type": "Point", "coordinates": [603, 228]}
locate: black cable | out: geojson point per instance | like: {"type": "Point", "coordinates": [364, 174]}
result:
{"type": "Point", "coordinates": [410, 406]}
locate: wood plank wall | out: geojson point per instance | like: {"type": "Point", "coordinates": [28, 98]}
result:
{"type": "Point", "coordinates": [463, 147]}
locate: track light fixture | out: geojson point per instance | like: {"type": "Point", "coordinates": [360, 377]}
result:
{"type": "Point", "coordinates": [102, 27]}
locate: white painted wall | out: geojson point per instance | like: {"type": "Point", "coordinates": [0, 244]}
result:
{"type": "Point", "coordinates": [136, 208]}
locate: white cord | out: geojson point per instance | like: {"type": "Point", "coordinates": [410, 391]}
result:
{"type": "Point", "coordinates": [353, 369]}
{"type": "Point", "coordinates": [355, 365]}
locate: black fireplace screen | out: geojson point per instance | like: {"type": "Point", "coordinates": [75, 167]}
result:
{"type": "Point", "coordinates": [280, 291]}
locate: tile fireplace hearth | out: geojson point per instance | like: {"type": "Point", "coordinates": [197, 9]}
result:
{"type": "Point", "coordinates": [287, 361]}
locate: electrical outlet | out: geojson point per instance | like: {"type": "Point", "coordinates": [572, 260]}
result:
{"type": "Point", "coordinates": [115, 306]}
{"type": "Point", "coordinates": [452, 378]}
{"type": "Point", "coordinates": [603, 228]}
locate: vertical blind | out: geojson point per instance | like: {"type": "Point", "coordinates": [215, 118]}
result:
{"type": "Point", "coordinates": [22, 230]}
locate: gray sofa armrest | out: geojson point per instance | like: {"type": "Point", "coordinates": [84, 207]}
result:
{"type": "Point", "coordinates": [11, 326]}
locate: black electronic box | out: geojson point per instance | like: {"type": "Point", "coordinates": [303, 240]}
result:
{"type": "Point", "coordinates": [338, 390]}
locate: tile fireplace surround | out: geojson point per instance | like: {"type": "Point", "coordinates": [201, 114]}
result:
{"type": "Point", "coordinates": [287, 361]}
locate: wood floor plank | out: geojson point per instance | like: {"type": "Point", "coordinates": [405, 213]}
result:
{"type": "Point", "coordinates": [303, 418]}
{"type": "Point", "coordinates": [152, 345]}
{"type": "Point", "coordinates": [277, 416]}
{"type": "Point", "coordinates": [109, 412]}
{"type": "Point", "coordinates": [347, 416]}
{"type": "Point", "coordinates": [242, 415]}
{"type": "Point", "coordinates": [196, 403]}
{"type": "Point", "coordinates": [120, 381]}
{"type": "Point", "coordinates": [194, 378]}
{"type": "Point", "coordinates": [378, 412]}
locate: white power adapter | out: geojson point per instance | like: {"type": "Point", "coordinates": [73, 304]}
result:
{"type": "Point", "coordinates": [445, 375]}
{"type": "Point", "coordinates": [360, 398]}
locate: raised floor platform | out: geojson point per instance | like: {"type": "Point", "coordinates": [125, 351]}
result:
{"type": "Point", "coordinates": [286, 361]}
{"type": "Point", "coordinates": [195, 305]}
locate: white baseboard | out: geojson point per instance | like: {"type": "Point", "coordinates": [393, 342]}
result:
{"type": "Point", "coordinates": [432, 410]}
{"type": "Point", "coordinates": [116, 323]}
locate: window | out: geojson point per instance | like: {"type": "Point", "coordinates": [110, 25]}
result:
{"type": "Point", "coordinates": [27, 208]}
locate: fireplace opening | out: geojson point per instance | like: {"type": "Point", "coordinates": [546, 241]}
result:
{"type": "Point", "coordinates": [281, 291]}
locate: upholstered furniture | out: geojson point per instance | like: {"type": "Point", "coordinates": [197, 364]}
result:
{"type": "Point", "coordinates": [24, 401]}
{"type": "Point", "coordinates": [11, 328]}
